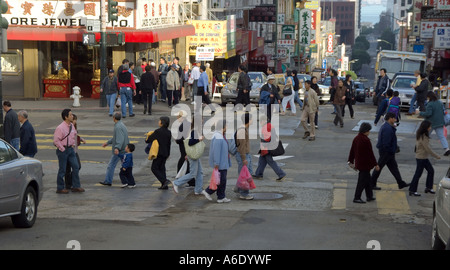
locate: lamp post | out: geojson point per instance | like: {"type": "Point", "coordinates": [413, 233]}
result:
{"type": "Point", "coordinates": [382, 40]}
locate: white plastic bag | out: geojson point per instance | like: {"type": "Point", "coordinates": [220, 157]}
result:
{"type": "Point", "coordinates": [182, 170]}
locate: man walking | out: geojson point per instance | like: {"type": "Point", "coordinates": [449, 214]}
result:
{"type": "Point", "coordinates": [382, 86]}
{"type": "Point", "coordinates": [11, 125]}
{"type": "Point", "coordinates": [162, 71]}
{"type": "Point", "coordinates": [119, 141]}
{"type": "Point", "coordinates": [127, 89]}
{"type": "Point", "coordinates": [173, 86]}
{"type": "Point", "coordinates": [387, 147]}
{"type": "Point", "coordinates": [28, 146]}
{"type": "Point", "coordinates": [310, 107]}
{"type": "Point", "coordinates": [65, 140]}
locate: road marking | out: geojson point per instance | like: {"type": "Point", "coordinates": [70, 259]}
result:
{"type": "Point", "coordinates": [391, 200]}
{"type": "Point", "coordinates": [339, 196]}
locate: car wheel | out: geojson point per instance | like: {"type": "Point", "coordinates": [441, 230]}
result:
{"type": "Point", "coordinates": [28, 212]}
{"type": "Point", "coordinates": [436, 242]}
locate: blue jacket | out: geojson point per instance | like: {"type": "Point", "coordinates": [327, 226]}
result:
{"type": "Point", "coordinates": [218, 152]}
{"type": "Point", "coordinates": [387, 139]}
{"type": "Point", "coordinates": [127, 160]}
{"type": "Point", "coordinates": [28, 146]}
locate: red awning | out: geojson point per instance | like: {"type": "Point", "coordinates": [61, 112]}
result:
{"type": "Point", "coordinates": [70, 34]}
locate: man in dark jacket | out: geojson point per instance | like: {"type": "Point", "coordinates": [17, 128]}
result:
{"type": "Point", "coordinates": [387, 147]}
{"type": "Point", "coordinates": [422, 91]}
{"type": "Point", "coordinates": [28, 146]}
{"type": "Point", "coordinates": [383, 85]}
{"type": "Point", "coordinates": [243, 88]}
{"type": "Point", "coordinates": [148, 85]}
{"type": "Point", "coordinates": [11, 125]}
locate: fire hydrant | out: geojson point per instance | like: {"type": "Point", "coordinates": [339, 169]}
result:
{"type": "Point", "coordinates": [76, 96]}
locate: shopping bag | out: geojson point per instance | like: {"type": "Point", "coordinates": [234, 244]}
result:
{"type": "Point", "coordinates": [182, 170]}
{"type": "Point", "coordinates": [215, 180]}
{"type": "Point", "coordinates": [195, 151]}
{"type": "Point", "coordinates": [245, 180]}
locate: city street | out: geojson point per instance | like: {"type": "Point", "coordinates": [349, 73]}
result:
{"type": "Point", "coordinates": [311, 209]}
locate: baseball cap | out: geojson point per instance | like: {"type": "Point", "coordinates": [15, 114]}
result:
{"type": "Point", "coordinates": [111, 71]}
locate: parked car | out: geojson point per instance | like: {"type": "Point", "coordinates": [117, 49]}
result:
{"type": "Point", "coordinates": [323, 98]}
{"type": "Point", "coordinates": [21, 186]}
{"type": "Point", "coordinates": [360, 91]}
{"type": "Point", "coordinates": [229, 92]}
{"type": "Point", "coordinates": [402, 84]}
{"type": "Point", "coordinates": [440, 236]}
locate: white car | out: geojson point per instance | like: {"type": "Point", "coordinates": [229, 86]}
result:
{"type": "Point", "coordinates": [440, 238]}
{"type": "Point", "coordinates": [21, 186]}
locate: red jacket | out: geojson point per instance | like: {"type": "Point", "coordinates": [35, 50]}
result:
{"type": "Point", "coordinates": [361, 153]}
{"type": "Point", "coordinates": [131, 84]}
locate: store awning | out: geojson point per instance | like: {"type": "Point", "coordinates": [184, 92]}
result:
{"type": "Point", "coordinates": [76, 35]}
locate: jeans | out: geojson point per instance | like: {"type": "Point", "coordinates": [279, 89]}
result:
{"type": "Point", "coordinates": [15, 143]}
{"type": "Point", "coordinates": [422, 164]}
{"type": "Point", "coordinates": [289, 99]}
{"type": "Point", "coordinates": [268, 159]}
{"type": "Point", "coordinates": [297, 99]}
{"type": "Point", "coordinates": [111, 100]}
{"type": "Point", "coordinates": [111, 167]}
{"type": "Point", "coordinates": [440, 134]}
{"type": "Point", "coordinates": [68, 155]}
{"type": "Point", "coordinates": [195, 171]}
{"type": "Point", "coordinates": [126, 96]}
{"type": "Point", "coordinates": [126, 176]}
{"type": "Point", "coordinates": [163, 87]}
{"type": "Point", "coordinates": [220, 187]}
{"type": "Point", "coordinates": [248, 157]}
{"type": "Point", "coordinates": [412, 107]}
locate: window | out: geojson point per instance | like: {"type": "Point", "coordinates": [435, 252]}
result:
{"type": "Point", "coordinates": [5, 155]}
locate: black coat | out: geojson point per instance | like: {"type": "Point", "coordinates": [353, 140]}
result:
{"type": "Point", "coordinates": [28, 146]}
{"type": "Point", "coordinates": [148, 82]}
{"type": "Point", "coordinates": [11, 126]}
{"type": "Point", "coordinates": [164, 138]}
{"type": "Point", "coordinates": [422, 90]}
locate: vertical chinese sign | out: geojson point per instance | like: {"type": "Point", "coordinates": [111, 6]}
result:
{"type": "Point", "coordinates": [305, 28]}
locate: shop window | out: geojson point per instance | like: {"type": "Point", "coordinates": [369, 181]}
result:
{"type": "Point", "coordinates": [12, 62]}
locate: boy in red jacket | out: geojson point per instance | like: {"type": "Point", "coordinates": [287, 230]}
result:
{"type": "Point", "coordinates": [361, 158]}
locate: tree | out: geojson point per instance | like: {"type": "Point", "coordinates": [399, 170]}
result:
{"type": "Point", "coordinates": [389, 40]}
{"type": "Point", "coordinates": [363, 58]}
{"type": "Point", "coordinates": [362, 42]}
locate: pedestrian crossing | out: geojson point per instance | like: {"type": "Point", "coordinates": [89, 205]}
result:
{"type": "Point", "coordinates": [93, 142]}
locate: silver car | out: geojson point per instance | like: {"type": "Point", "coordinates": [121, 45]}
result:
{"type": "Point", "coordinates": [21, 186]}
{"type": "Point", "coordinates": [229, 91]}
{"type": "Point", "coordinates": [441, 215]}
{"type": "Point", "coordinates": [402, 84]}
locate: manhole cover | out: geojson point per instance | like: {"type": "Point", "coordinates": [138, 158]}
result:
{"type": "Point", "coordinates": [266, 196]}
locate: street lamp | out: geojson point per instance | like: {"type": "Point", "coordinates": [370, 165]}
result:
{"type": "Point", "coordinates": [381, 40]}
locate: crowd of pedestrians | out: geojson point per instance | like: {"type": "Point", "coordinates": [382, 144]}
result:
{"type": "Point", "coordinates": [141, 84]}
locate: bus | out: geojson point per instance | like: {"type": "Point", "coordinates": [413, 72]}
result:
{"type": "Point", "coordinates": [398, 61]}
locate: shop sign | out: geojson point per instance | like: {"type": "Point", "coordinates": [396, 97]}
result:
{"type": "Point", "coordinates": [443, 4]}
{"type": "Point", "coordinates": [314, 4]}
{"type": "Point", "coordinates": [157, 13]}
{"type": "Point", "coordinates": [442, 38]}
{"type": "Point", "coordinates": [204, 54]}
{"type": "Point", "coordinates": [305, 27]}
{"type": "Point", "coordinates": [330, 43]}
{"type": "Point", "coordinates": [63, 14]}
{"type": "Point", "coordinates": [427, 28]}
{"type": "Point", "coordinates": [265, 13]}
{"type": "Point", "coordinates": [209, 34]}
{"type": "Point", "coordinates": [288, 31]}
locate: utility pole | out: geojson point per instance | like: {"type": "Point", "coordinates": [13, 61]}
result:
{"type": "Point", "coordinates": [4, 48]}
{"type": "Point", "coordinates": [103, 52]}
{"type": "Point", "coordinates": [276, 36]}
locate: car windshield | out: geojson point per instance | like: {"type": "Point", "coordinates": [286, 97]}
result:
{"type": "Point", "coordinates": [403, 82]}
{"type": "Point", "coordinates": [256, 77]}
{"type": "Point", "coordinates": [304, 77]}
{"type": "Point", "coordinates": [234, 78]}
{"type": "Point", "coordinates": [359, 86]}
{"type": "Point", "coordinates": [392, 64]}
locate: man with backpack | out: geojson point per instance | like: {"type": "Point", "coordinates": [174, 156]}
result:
{"type": "Point", "coordinates": [127, 89]}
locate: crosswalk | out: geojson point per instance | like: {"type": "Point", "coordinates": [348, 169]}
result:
{"type": "Point", "coordinates": [93, 142]}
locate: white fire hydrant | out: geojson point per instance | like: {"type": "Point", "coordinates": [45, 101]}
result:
{"type": "Point", "coordinates": [76, 96]}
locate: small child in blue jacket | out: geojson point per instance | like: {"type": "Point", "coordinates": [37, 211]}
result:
{"type": "Point", "coordinates": [126, 172]}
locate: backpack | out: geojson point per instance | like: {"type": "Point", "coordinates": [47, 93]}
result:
{"type": "Point", "coordinates": [125, 77]}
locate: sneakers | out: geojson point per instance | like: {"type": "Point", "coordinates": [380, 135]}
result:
{"type": "Point", "coordinates": [248, 197]}
{"type": "Point", "coordinates": [175, 188]}
{"type": "Point", "coordinates": [224, 200]}
{"type": "Point", "coordinates": [124, 185]}
{"type": "Point", "coordinates": [207, 195]}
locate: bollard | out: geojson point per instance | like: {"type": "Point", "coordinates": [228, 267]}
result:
{"type": "Point", "coordinates": [76, 96]}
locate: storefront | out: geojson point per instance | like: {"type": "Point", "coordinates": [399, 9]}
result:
{"type": "Point", "coordinates": [47, 58]}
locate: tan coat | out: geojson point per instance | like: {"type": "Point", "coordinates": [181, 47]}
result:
{"type": "Point", "coordinates": [313, 101]}
{"type": "Point", "coordinates": [423, 150]}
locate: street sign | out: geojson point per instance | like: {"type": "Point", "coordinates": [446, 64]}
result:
{"type": "Point", "coordinates": [89, 39]}
{"type": "Point", "coordinates": [324, 63]}
{"type": "Point", "coordinates": [441, 38]}
{"type": "Point", "coordinates": [93, 25]}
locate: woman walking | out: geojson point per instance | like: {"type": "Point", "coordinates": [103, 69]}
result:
{"type": "Point", "coordinates": [220, 160]}
{"type": "Point", "coordinates": [361, 158]}
{"type": "Point", "coordinates": [195, 166]}
{"type": "Point", "coordinates": [423, 151]}
{"type": "Point", "coordinates": [288, 94]}
{"type": "Point", "coordinates": [435, 114]}
{"type": "Point", "coordinates": [163, 136]}
{"type": "Point", "coordinates": [349, 95]}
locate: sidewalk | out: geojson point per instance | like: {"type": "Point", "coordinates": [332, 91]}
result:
{"type": "Point", "coordinates": [56, 104]}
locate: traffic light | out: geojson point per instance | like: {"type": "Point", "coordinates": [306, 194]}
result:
{"type": "Point", "coordinates": [3, 26]}
{"type": "Point", "coordinates": [112, 11]}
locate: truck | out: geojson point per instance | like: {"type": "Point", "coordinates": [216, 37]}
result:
{"type": "Point", "coordinates": [399, 61]}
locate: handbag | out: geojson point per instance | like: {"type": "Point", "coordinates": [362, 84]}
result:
{"type": "Point", "coordinates": [279, 151]}
{"type": "Point", "coordinates": [191, 80]}
{"type": "Point", "coordinates": [195, 151]}
{"type": "Point", "coordinates": [287, 91]}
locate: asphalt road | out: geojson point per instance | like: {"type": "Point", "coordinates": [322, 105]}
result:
{"type": "Point", "coordinates": [311, 209]}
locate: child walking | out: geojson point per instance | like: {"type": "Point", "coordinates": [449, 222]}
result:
{"type": "Point", "coordinates": [126, 172]}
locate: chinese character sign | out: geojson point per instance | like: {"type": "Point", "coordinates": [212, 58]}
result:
{"type": "Point", "coordinates": [305, 27]}
{"type": "Point", "coordinates": [211, 34]}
